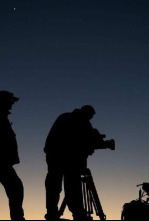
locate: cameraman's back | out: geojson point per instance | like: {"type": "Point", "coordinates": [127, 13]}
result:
{"type": "Point", "coordinates": [69, 139]}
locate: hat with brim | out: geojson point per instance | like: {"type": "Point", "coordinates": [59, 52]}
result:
{"type": "Point", "coordinates": [8, 96]}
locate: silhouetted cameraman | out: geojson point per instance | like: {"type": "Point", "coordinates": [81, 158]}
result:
{"type": "Point", "coordinates": [9, 157]}
{"type": "Point", "coordinates": [67, 148]}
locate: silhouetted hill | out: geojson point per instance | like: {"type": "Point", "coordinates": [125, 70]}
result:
{"type": "Point", "coordinates": [65, 219]}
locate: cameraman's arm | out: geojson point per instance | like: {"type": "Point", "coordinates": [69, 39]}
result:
{"type": "Point", "coordinates": [98, 140]}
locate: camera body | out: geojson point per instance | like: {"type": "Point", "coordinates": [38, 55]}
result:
{"type": "Point", "coordinates": [109, 144]}
{"type": "Point", "coordinates": [100, 143]}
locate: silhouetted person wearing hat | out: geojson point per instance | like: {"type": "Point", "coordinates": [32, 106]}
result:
{"type": "Point", "coordinates": [9, 157]}
{"type": "Point", "coordinates": [67, 147]}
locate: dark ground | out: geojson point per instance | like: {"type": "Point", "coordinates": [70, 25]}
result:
{"type": "Point", "coordinates": [71, 220]}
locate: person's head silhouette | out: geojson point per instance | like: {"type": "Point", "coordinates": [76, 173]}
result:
{"type": "Point", "coordinates": [7, 99]}
{"type": "Point", "coordinates": [88, 111]}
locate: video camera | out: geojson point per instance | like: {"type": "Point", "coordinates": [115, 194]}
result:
{"type": "Point", "coordinates": [100, 143]}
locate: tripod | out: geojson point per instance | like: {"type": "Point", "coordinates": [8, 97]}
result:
{"type": "Point", "coordinates": [90, 197]}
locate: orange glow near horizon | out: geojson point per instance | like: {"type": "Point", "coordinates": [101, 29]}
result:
{"type": "Point", "coordinates": [34, 206]}
{"type": "Point", "coordinates": [113, 189]}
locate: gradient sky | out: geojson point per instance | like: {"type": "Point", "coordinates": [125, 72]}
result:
{"type": "Point", "coordinates": [62, 55]}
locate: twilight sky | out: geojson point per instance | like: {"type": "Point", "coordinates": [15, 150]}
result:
{"type": "Point", "coordinates": [62, 55]}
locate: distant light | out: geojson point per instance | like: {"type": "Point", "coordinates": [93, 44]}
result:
{"type": "Point", "coordinates": [14, 9]}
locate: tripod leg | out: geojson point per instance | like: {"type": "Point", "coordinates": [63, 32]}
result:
{"type": "Point", "coordinates": [84, 194]}
{"type": "Point", "coordinates": [62, 208]}
{"type": "Point", "coordinates": [86, 198]}
{"type": "Point", "coordinates": [95, 198]}
{"type": "Point", "coordinates": [89, 202]}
